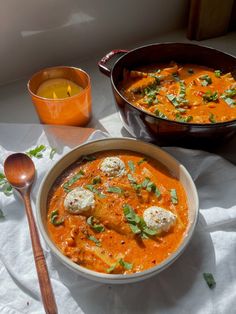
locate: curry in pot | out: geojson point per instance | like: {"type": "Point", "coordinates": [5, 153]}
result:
{"type": "Point", "coordinates": [185, 93]}
{"type": "Point", "coordinates": [117, 212]}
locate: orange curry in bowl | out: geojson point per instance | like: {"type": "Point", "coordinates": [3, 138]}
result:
{"type": "Point", "coordinates": [184, 93]}
{"type": "Point", "coordinates": [117, 212]}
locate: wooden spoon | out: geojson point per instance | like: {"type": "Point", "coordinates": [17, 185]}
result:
{"type": "Point", "coordinates": [20, 172]}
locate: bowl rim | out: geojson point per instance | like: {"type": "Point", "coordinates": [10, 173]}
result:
{"type": "Point", "coordinates": [116, 278]}
{"type": "Point", "coordinates": [140, 110]}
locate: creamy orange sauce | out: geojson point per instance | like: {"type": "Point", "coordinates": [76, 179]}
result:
{"type": "Point", "coordinates": [117, 241]}
{"type": "Point", "coordinates": [185, 93]}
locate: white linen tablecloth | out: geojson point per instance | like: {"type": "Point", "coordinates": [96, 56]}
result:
{"type": "Point", "coordinates": [179, 289]}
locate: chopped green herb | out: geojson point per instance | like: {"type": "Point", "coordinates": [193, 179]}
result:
{"type": "Point", "coordinates": [95, 240]}
{"type": "Point", "coordinates": [131, 165]}
{"type": "Point", "coordinates": [112, 267]}
{"type": "Point", "coordinates": [91, 221]}
{"type": "Point", "coordinates": [180, 118]}
{"type": "Point", "coordinates": [157, 192]}
{"type": "Point", "coordinates": [131, 178]}
{"type": "Point", "coordinates": [217, 73]}
{"type": "Point", "coordinates": [54, 218]}
{"type": "Point", "coordinates": [209, 280]}
{"type": "Point", "coordinates": [181, 110]}
{"type": "Point", "coordinates": [36, 152]}
{"type": "Point", "coordinates": [134, 183]}
{"type": "Point", "coordinates": [136, 223]}
{"type": "Point", "coordinates": [145, 182]}
{"type": "Point", "coordinates": [212, 118]}
{"type": "Point", "coordinates": [229, 101]}
{"type": "Point", "coordinates": [156, 77]}
{"type": "Point", "coordinates": [141, 161]}
{"type": "Point", "coordinates": [96, 180]}
{"type": "Point", "coordinates": [210, 96]}
{"type": "Point", "coordinates": [52, 153]}
{"type": "Point", "coordinates": [173, 99]}
{"type": "Point", "coordinates": [71, 181]}
{"type": "Point", "coordinates": [228, 97]}
{"type": "Point", "coordinates": [5, 186]}
{"type": "Point", "coordinates": [151, 91]}
{"type": "Point", "coordinates": [231, 92]}
{"type": "Point", "coordinates": [2, 216]}
{"type": "Point", "coordinates": [159, 114]}
{"type": "Point", "coordinates": [146, 231]}
{"type": "Point", "coordinates": [174, 197]}
{"type": "Point", "coordinates": [180, 99]}
{"type": "Point", "coordinates": [130, 214]}
{"type": "Point", "coordinates": [87, 158]}
{"type": "Point", "coordinates": [115, 189]}
{"type": "Point", "coordinates": [176, 76]}
{"type": "Point", "coordinates": [122, 263]}
{"type": "Point", "coordinates": [151, 187]}
{"type": "Point", "coordinates": [91, 188]}
{"type": "Point", "coordinates": [182, 92]}
{"type": "Point", "coordinates": [206, 80]}
{"type": "Point", "coordinates": [190, 71]}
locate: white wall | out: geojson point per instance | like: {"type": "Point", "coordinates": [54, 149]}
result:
{"type": "Point", "coordinates": [39, 33]}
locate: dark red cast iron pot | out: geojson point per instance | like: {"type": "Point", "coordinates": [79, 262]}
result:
{"type": "Point", "coordinates": [143, 125]}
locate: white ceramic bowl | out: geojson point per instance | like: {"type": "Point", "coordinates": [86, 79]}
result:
{"type": "Point", "coordinates": [147, 149]}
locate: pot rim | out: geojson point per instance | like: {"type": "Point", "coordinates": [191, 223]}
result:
{"type": "Point", "coordinates": [189, 124]}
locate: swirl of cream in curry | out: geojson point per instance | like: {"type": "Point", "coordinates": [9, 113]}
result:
{"type": "Point", "coordinates": [120, 221]}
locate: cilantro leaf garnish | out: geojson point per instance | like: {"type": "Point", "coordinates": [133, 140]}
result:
{"type": "Point", "coordinates": [71, 181]}
{"type": "Point", "coordinates": [54, 218]}
{"type": "Point", "coordinates": [87, 158]}
{"type": "Point", "coordinates": [141, 161]}
{"type": "Point", "coordinates": [217, 73]}
{"type": "Point", "coordinates": [91, 221]}
{"type": "Point", "coordinates": [176, 77]}
{"type": "Point", "coordinates": [5, 186]}
{"type": "Point", "coordinates": [36, 152]}
{"type": "Point", "coordinates": [91, 188]}
{"type": "Point", "coordinates": [212, 118]}
{"type": "Point", "coordinates": [95, 240]}
{"type": "Point", "coordinates": [210, 96]}
{"type": "Point", "coordinates": [115, 189]}
{"type": "Point", "coordinates": [206, 80]}
{"type": "Point", "coordinates": [131, 165]}
{"type": "Point", "coordinates": [134, 183]}
{"type": "Point", "coordinates": [52, 152]}
{"type": "Point", "coordinates": [173, 99]}
{"type": "Point", "coordinates": [96, 180]}
{"type": "Point", "coordinates": [150, 186]}
{"type": "Point", "coordinates": [174, 197]}
{"type": "Point", "coordinates": [136, 223]}
{"type": "Point", "coordinates": [228, 97]}
{"type": "Point", "coordinates": [159, 114]}
{"type": "Point", "coordinates": [182, 92]}
{"type": "Point", "coordinates": [180, 99]}
{"type": "Point", "coordinates": [122, 263]}
{"type": "Point", "coordinates": [209, 280]}
{"type": "Point", "coordinates": [181, 118]}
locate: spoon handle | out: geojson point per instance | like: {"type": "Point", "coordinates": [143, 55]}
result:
{"type": "Point", "coordinates": [43, 277]}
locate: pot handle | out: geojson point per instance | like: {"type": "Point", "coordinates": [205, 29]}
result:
{"type": "Point", "coordinates": [102, 63]}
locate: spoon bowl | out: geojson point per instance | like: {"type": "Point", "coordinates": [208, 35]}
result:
{"type": "Point", "coordinates": [19, 170]}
